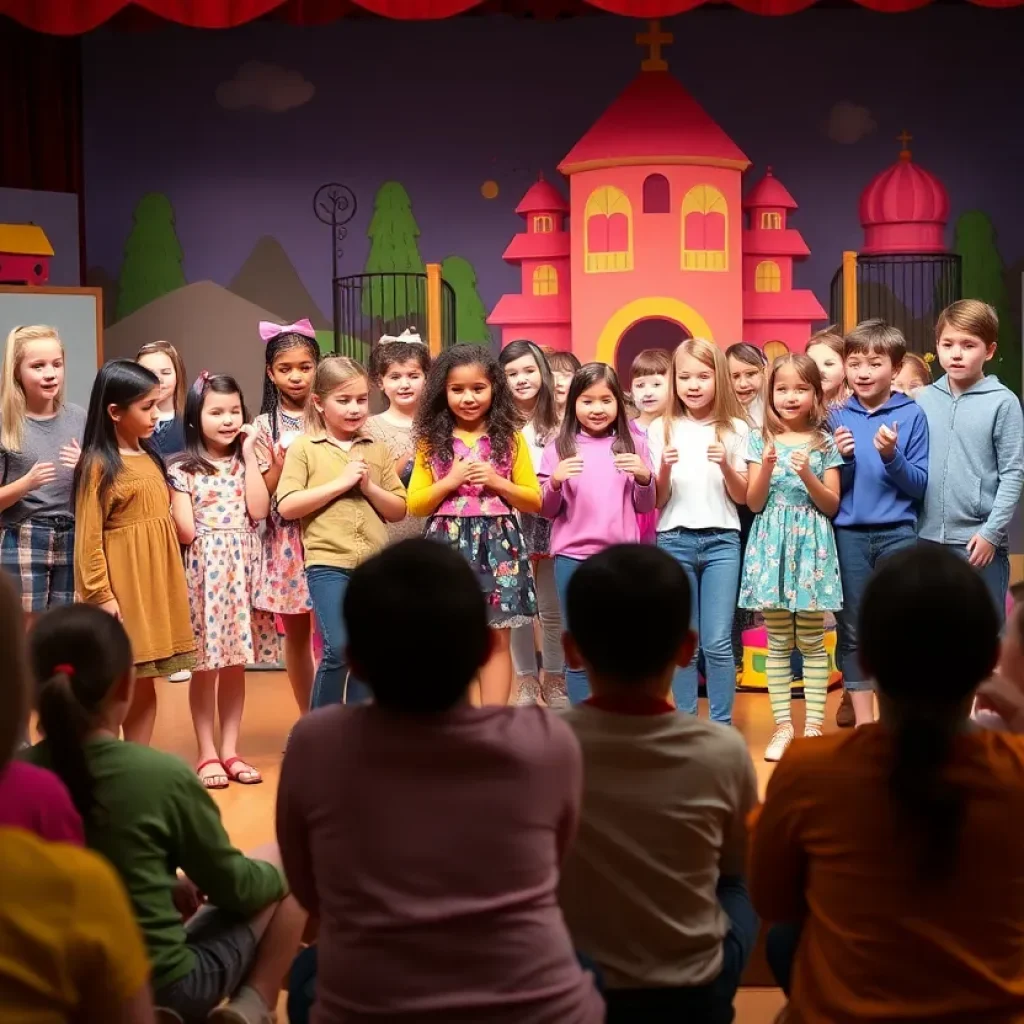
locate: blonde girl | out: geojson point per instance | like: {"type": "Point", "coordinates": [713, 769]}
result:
{"type": "Point", "coordinates": [791, 570]}
{"type": "Point", "coordinates": [747, 371]}
{"type": "Point", "coordinates": [40, 437]}
{"type": "Point", "coordinates": [915, 374]}
{"type": "Point", "coordinates": [699, 448]}
{"type": "Point", "coordinates": [218, 498]}
{"type": "Point", "coordinates": [826, 349]}
{"type": "Point", "coordinates": [165, 361]}
{"type": "Point", "coordinates": [291, 355]}
{"type": "Point", "coordinates": [127, 555]}
{"type": "Point", "coordinates": [342, 486]}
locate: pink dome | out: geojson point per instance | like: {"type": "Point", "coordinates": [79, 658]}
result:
{"type": "Point", "coordinates": [904, 209]}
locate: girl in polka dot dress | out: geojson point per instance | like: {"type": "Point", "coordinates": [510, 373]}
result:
{"type": "Point", "coordinates": [218, 496]}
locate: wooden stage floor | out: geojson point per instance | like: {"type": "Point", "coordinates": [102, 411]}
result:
{"type": "Point", "coordinates": [270, 710]}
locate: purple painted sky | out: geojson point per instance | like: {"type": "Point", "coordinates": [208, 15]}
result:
{"type": "Point", "coordinates": [444, 106]}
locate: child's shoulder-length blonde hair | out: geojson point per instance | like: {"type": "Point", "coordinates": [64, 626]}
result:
{"type": "Point", "coordinates": [12, 392]}
{"type": "Point", "coordinates": [726, 408]}
{"type": "Point", "coordinates": [807, 370]}
{"type": "Point", "coordinates": [331, 372]}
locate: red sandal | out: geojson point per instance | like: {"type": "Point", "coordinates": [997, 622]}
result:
{"type": "Point", "coordinates": [208, 781]}
{"type": "Point", "coordinates": [247, 770]}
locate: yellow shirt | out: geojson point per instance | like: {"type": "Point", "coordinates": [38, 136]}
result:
{"type": "Point", "coordinates": [348, 529]}
{"type": "Point", "coordinates": [68, 940]}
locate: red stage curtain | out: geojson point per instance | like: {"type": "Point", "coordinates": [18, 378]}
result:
{"type": "Point", "coordinates": [70, 17]}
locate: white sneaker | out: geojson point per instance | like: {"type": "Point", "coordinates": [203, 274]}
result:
{"type": "Point", "coordinates": [184, 676]}
{"type": "Point", "coordinates": [529, 691]}
{"type": "Point", "coordinates": [781, 739]}
{"type": "Point", "coordinates": [812, 731]}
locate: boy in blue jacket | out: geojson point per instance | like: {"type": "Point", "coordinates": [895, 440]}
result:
{"type": "Point", "coordinates": [976, 466]}
{"type": "Point", "coordinates": [883, 437]}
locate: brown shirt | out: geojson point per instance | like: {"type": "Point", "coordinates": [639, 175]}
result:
{"type": "Point", "coordinates": [348, 529]}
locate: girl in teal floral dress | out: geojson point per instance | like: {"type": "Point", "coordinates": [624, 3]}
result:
{"type": "Point", "coordinates": [472, 472]}
{"type": "Point", "coordinates": [791, 570]}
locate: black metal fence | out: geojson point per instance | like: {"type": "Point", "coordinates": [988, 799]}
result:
{"type": "Point", "coordinates": [906, 291]}
{"type": "Point", "coordinates": [370, 305]}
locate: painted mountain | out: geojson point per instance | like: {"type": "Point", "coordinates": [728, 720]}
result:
{"type": "Point", "coordinates": [269, 279]}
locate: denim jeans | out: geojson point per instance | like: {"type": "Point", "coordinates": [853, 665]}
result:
{"type": "Point", "coordinates": [996, 575]}
{"type": "Point", "coordinates": [576, 684]}
{"type": "Point", "coordinates": [327, 586]}
{"type": "Point", "coordinates": [861, 550]}
{"type": "Point", "coordinates": [710, 1003]}
{"type": "Point", "coordinates": [711, 559]}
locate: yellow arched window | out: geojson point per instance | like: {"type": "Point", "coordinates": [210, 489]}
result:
{"type": "Point", "coordinates": [774, 349]}
{"type": "Point", "coordinates": [608, 238]}
{"type": "Point", "coordinates": [705, 229]}
{"type": "Point", "coordinates": [771, 221]}
{"type": "Point", "coordinates": [545, 280]}
{"type": "Point", "coordinates": [767, 277]}
{"type": "Point", "coordinates": [542, 223]}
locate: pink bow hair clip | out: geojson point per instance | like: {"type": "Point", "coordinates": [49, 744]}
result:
{"type": "Point", "coordinates": [203, 377]}
{"type": "Point", "coordinates": [269, 331]}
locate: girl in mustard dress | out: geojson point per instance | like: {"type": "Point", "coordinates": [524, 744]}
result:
{"type": "Point", "coordinates": [127, 556]}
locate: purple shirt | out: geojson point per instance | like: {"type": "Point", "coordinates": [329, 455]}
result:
{"type": "Point", "coordinates": [37, 801]}
{"type": "Point", "coordinates": [600, 507]}
{"type": "Point", "coordinates": [430, 847]}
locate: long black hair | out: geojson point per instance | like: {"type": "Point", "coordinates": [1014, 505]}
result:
{"type": "Point", "coordinates": [195, 458]}
{"type": "Point", "coordinates": [120, 382]}
{"type": "Point", "coordinates": [435, 422]}
{"type": "Point", "coordinates": [586, 377]}
{"type": "Point", "coordinates": [917, 596]}
{"type": "Point", "coordinates": [545, 414]}
{"type": "Point", "coordinates": [274, 347]}
{"type": "Point", "coordinates": [78, 653]}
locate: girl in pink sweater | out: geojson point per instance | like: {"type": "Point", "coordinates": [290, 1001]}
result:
{"type": "Point", "coordinates": [595, 481]}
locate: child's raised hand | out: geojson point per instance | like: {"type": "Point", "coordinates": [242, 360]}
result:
{"type": "Point", "coordinates": [567, 468]}
{"type": "Point", "coordinates": [716, 453]}
{"type": "Point", "coordinates": [844, 441]}
{"type": "Point", "coordinates": [630, 462]}
{"type": "Point", "coordinates": [248, 433]}
{"type": "Point", "coordinates": [770, 455]}
{"type": "Point", "coordinates": [70, 454]}
{"type": "Point", "coordinates": [885, 441]}
{"type": "Point", "coordinates": [352, 475]}
{"type": "Point", "coordinates": [670, 456]}
{"type": "Point", "coordinates": [800, 462]}
{"type": "Point", "coordinates": [40, 474]}
{"type": "Point", "coordinates": [481, 474]}
{"type": "Point", "coordinates": [459, 473]}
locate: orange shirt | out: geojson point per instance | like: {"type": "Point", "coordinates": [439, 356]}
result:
{"type": "Point", "coordinates": [880, 943]}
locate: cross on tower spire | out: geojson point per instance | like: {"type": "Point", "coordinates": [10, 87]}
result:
{"type": "Point", "coordinates": [655, 39]}
{"type": "Point", "coordinates": [903, 138]}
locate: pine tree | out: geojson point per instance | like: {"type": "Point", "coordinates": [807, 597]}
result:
{"type": "Point", "coordinates": [393, 232]}
{"type": "Point", "coordinates": [470, 312]}
{"type": "Point", "coordinates": [152, 256]}
{"type": "Point", "coordinates": [983, 279]}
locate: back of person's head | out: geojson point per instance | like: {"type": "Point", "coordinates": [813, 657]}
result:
{"type": "Point", "coordinates": [628, 613]}
{"type": "Point", "coordinates": [79, 654]}
{"type": "Point", "coordinates": [929, 635]}
{"type": "Point", "coordinates": [14, 691]}
{"type": "Point", "coordinates": [436, 597]}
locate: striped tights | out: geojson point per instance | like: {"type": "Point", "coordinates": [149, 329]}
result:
{"type": "Point", "coordinates": [805, 631]}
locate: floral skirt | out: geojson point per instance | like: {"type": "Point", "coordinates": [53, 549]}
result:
{"type": "Point", "coordinates": [494, 547]}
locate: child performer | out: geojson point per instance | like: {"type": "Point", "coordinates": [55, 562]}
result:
{"type": "Point", "coordinates": [342, 485]}
{"type": "Point", "coordinates": [40, 438]}
{"type": "Point", "coordinates": [398, 366]}
{"type": "Point", "coordinates": [826, 349]}
{"type": "Point", "coordinates": [292, 354]}
{"type": "Point", "coordinates": [533, 391]}
{"type": "Point", "coordinates": [218, 497]}
{"type": "Point", "coordinates": [915, 374]}
{"type": "Point", "coordinates": [563, 367]}
{"type": "Point", "coordinates": [649, 386]}
{"type": "Point", "coordinates": [791, 570]}
{"type": "Point", "coordinates": [127, 555]}
{"type": "Point", "coordinates": [164, 360]}
{"type": "Point", "coordinates": [976, 453]}
{"type": "Point", "coordinates": [747, 369]}
{"type": "Point", "coordinates": [472, 473]}
{"type": "Point", "coordinates": [596, 482]}
{"type": "Point", "coordinates": [700, 448]}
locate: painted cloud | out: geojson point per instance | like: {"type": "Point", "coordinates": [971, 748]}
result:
{"type": "Point", "coordinates": [848, 123]}
{"type": "Point", "coordinates": [267, 87]}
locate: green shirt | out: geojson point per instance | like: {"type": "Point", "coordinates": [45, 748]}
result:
{"type": "Point", "coordinates": [152, 817]}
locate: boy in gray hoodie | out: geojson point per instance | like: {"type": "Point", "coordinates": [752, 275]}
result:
{"type": "Point", "coordinates": [976, 455]}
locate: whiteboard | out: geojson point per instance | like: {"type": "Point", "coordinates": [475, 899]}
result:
{"type": "Point", "coordinates": [77, 313]}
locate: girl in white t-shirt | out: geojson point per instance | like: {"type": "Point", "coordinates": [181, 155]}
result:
{"type": "Point", "coordinates": [700, 449]}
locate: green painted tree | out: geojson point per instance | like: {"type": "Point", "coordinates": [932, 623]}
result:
{"type": "Point", "coordinates": [393, 234]}
{"type": "Point", "coordinates": [983, 279]}
{"type": "Point", "coordinates": [470, 312]}
{"type": "Point", "coordinates": [152, 256]}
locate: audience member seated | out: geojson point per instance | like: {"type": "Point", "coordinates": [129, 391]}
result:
{"type": "Point", "coordinates": [895, 852]}
{"type": "Point", "coordinates": [425, 833]}
{"type": "Point", "coordinates": [653, 889]}
{"type": "Point", "coordinates": [70, 949]}
{"type": "Point", "coordinates": [149, 815]}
